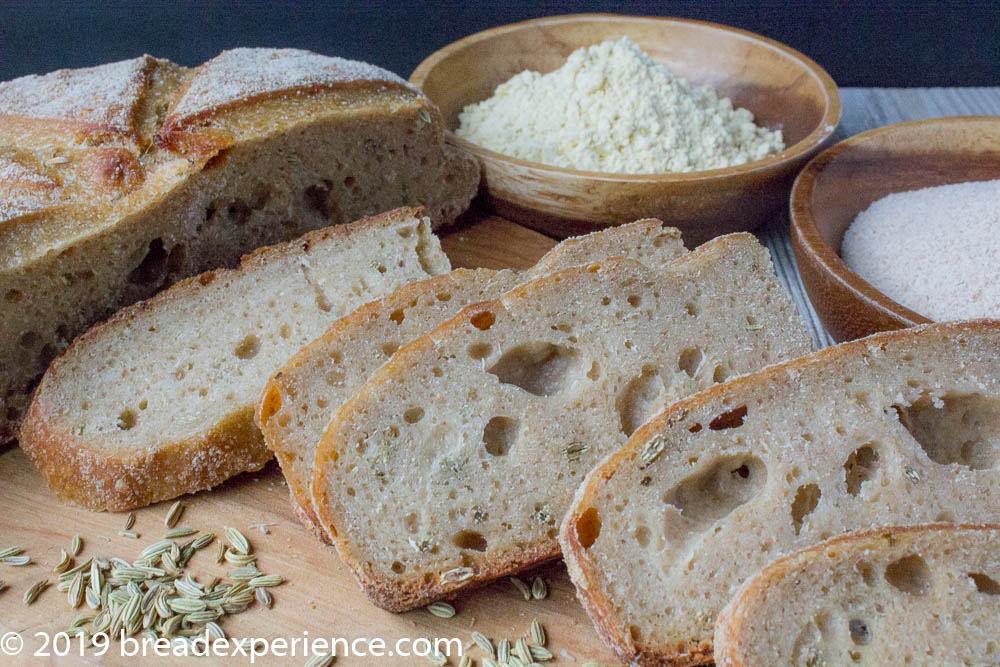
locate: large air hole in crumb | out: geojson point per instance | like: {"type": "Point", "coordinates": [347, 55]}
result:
{"type": "Point", "coordinates": [860, 467]}
{"type": "Point", "coordinates": [499, 435]}
{"type": "Point", "coordinates": [398, 567]}
{"type": "Point", "coordinates": [721, 487]}
{"type": "Point", "coordinates": [640, 399]}
{"type": "Point", "coordinates": [957, 428]}
{"type": "Point", "coordinates": [413, 415]}
{"type": "Point", "coordinates": [248, 347]}
{"type": "Point", "coordinates": [470, 539]}
{"type": "Point", "coordinates": [317, 197]}
{"type": "Point", "coordinates": [909, 574]}
{"type": "Point", "coordinates": [806, 498]}
{"type": "Point", "coordinates": [483, 320]}
{"type": "Point", "coordinates": [542, 369]}
{"type": "Point", "coordinates": [126, 420]}
{"type": "Point", "coordinates": [389, 349]}
{"type": "Point", "coordinates": [480, 351]}
{"type": "Point", "coordinates": [690, 360]}
{"type": "Point", "coordinates": [720, 374]}
{"type": "Point", "coordinates": [860, 634]}
{"type": "Point", "coordinates": [588, 527]}
{"type": "Point", "coordinates": [153, 266]}
{"type": "Point", "coordinates": [985, 583]}
{"type": "Point", "coordinates": [642, 536]}
{"type": "Point", "coordinates": [270, 405]}
{"type": "Point", "coordinates": [731, 419]}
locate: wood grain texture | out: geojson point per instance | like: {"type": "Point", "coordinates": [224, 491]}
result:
{"type": "Point", "coordinates": [782, 87]}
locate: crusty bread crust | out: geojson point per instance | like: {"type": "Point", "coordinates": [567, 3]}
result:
{"type": "Point", "coordinates": [86, 473]}
{"type": "Point", "coordinates": [732, 625]}
{"type": "Point", "coordinates": [592, 590]}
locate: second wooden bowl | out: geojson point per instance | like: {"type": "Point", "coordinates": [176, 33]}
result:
{"type": "Point", "coordinates": [783, 88]}
{"type": "Point", "coordinates": [844, 180]}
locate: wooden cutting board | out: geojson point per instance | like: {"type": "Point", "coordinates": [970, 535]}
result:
{"type": "Point", "coordinates": [320, 596]}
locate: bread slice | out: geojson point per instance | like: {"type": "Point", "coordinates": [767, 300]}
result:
{"type": "Point", "coordinates": [300, 398]}
{"type": "Point", "coordinates": [919, 595]}
{"type": "Point", "coordinates": [456, 460]}
{"type": "Point", "coordinates": [897, 428]}
{"type": "Point", "coordinates": [158, 400]}
{"type": "Point", "coordinates": [118, 180]}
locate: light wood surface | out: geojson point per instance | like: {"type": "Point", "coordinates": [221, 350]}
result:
{"type": "Point", "coordinates": [847, 178]}
{"type": "Point", "coordinates": [783, 88]}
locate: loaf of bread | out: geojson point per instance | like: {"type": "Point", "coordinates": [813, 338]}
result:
{"type": "Point", "coordinates": [456, 460]}
{"type": "Point", "coordinates": [158, 400]}
{"type": "Point", "coordinates": [919, 595]}
{"type": "Point", "coordinates": [118, 180]}
{"type": "Point", "coordinates": [300, 398]}
{"type": "Point", "coordinates": [897, 428]}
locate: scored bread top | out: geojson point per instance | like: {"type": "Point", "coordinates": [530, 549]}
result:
{"type": "Point", "coordinates": [891, 596]}
{"type": "Point", "coordinates": [173, 372]}
{"type": "Point", "coordinates": [299, 399]}
{"type": "Point", "coordinates": [900, 427]}
{"type": "Point", "coordinates": [141, 125]}
{"type": "Point", "coordinates": [454, 463]}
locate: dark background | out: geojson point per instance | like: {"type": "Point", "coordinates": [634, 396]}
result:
{"type": "Point", "coordinates": [861, 43]}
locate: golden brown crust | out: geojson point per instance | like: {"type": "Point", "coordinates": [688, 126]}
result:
{"type": "Point", "coordinates": [590, 587]}
{"type": "Point", "coordinates": [730, 627]}
{"type": "Point", "coordinates": [84, 472]}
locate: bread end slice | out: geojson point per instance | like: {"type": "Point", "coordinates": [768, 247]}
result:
{"type": "Point", "coordinates": [118, 420]}
{"type": "Point", "coordinates": [869, 597]}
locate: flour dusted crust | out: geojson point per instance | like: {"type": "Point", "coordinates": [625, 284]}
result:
{"type": "Point", "coordinates": [119, 180]}
{"type": "Point", "coordinates": [455, 461]}
{"type": "Point", "coordinates": [297, 402]}
{"type": "Point", "coordinates": [158, 400]}
{"type": "Point", "coordinates": [783, 458]}
{"type": "Point", "coordinates": [892, 595]}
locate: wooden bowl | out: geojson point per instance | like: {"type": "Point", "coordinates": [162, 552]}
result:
{"type": "Point", "coordinates": [845, 179]}
{"type": "Point", "coordinates": [783, 88]}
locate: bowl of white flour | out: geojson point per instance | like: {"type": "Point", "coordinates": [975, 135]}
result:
{"type": "Point", "coordinates": [592, 120]}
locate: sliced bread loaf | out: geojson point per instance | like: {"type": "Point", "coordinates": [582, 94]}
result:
{"type": "Point", "coordinates": [118, 180]}
{"type": "Point", "coordinates": [298, 401]}
{"type": "Point", "coordinates": [456, 460]}
{"type": "Point", "coordinates": [897, 428]}
{"type": "Point", "coordinates": [158, 400]}
{"type": "Point", "coordinates": [920, 595]}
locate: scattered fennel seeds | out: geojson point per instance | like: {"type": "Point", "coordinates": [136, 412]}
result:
{"type": "Point", "coordinates": [237, 541]}
{"type": "Point", "coordinates": [466, 661]}
{"type": "Point", "coordinates": [484, 644]}
{"type": "Point", "coordinates": [503, 651]}
{"type": "Point", "coordinates": [16, 561]}
{"type": "Point", "coordinates": [76, 546]}
{"type": "Point", "coordinates": [174, 514]}
{"type": "Point", "coordinates": [129, 521]}
{"type": "Point", "coordinates": [129, 533]}
{"type": "Point", "coordinates": [65, 562]}
{"type": "Point", "coordinates": [437, 659]}
{"type": "Point", "coordinates": [653, 449]}
{"type": "Point", "coordinates": [539, 590]}
{"type": "Point", "coordinates": [32, 593]}
{"type": "Point", "coordinates": [441, 609]}
{"type": "Point", "coordinates": [522, 587]}
{"type": "Point", "coordinates": [10, 551]}
{"type": "Point", "coordinates": [537, 633]}
{"type": "Point", "coordinates": [320, 660]}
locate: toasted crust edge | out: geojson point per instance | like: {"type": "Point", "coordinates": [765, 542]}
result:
{"type": "Point", "coordinates": [232, 445]}
{"type": "Point", "coordinates": [730, 625]}
{"type": "Point", "coordinates": [582, 572]}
